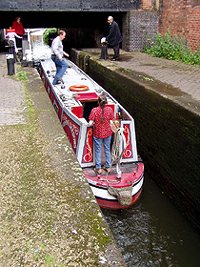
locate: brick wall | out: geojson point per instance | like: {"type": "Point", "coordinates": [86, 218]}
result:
{"type": "Point", "coordinates": [182, 18]}
{"type": "Point", "coordinates": [194, 27]}
{"type": "Point", "coordinates": [138, 28]}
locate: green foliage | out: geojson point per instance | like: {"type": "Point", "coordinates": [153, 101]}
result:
{"type": "Point", "coordinates": [50, 260]}
{"type": "Point", "coordinates": [49, 35]}
{"type": "Point", "coordinates": [174, 48]}
{"type": "Point", "coordinates": [22, 76]}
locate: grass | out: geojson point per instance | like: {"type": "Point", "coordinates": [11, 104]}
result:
{"type": "Point", "coordinates": [22, 75]}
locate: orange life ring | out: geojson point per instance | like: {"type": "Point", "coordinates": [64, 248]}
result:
{"type": "Point", "coordinates": [78, 88]}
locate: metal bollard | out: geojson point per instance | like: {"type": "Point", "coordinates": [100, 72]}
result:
{"type": "Point", "coordinates": [104, 51]}
{"type": "Point", "coordinates": [10, 64]}
{"type": "Point", "coordinates": [11, 47]}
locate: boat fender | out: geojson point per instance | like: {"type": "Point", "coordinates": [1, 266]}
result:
{"type": "Point", "coordinates": [124, 195]}
{"type": "Point", "coordinates": [78, 88]}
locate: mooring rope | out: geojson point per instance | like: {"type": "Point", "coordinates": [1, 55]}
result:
{"type": "Point", "coordinates": [118, 137]}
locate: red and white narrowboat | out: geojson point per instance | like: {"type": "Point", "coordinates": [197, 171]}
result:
{"type": "Point", "coordinates": [73, 101]}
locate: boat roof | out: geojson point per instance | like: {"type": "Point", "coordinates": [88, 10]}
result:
{"type": "Point", "coordinates": [73, 74]}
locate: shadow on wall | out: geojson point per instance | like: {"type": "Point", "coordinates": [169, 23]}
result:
{"type": "Point", "coordinates": [81, 38]}
{"type": "Point", "coordinates": [3, 42]}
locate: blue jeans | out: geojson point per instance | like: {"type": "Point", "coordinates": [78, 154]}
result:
{"type": "Point", "coordinates": [61, 66]}
{"type": "Point", "coordinates": [98, 147]}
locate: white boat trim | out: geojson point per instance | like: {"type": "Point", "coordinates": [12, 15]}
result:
{"type": "Point", "coordinates": [100, 192]}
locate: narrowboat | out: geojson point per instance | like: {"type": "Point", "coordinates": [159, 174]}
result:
{"type": "Point", "coordinates": [73, 101]}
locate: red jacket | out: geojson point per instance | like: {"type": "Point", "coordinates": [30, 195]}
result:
{"type": "Point", "coordinates": [19, 29]}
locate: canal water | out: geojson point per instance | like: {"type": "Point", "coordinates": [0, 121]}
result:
{"type": "Point", "coordinates": [154, 233]}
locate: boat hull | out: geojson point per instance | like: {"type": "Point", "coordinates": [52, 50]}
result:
{"type": "Point", "coordinates": [107, 201]}
{"type": "Point", "coordinates": [115, 205]}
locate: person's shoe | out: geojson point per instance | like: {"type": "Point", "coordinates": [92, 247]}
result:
{"type": "Point", "coordinates": [98, 171]}
{"type": "Point", "coordinates": [61, 81]}
{"type": "Point", "coordinates": [55, 82]}
{"type": "Point", "coordinates": [115, 59]}
{"type": "Point", "coordinates": [108, 170]}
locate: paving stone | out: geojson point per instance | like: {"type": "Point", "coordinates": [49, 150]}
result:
{"type": "Point", "coordinates": [12, 97]}
{"type": "Point", "coordinates": [179, 75]}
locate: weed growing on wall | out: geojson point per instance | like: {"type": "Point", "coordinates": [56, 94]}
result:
{"type": "Point", "coordinates": [174, 48]}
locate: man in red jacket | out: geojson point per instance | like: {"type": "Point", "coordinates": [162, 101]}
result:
{"type": "Point", "coordinates": [19, 30]}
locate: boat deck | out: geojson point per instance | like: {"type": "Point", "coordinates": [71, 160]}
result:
{"type": "Point", "coordinates": [125, 168]}
{"type": "Point", "coordinates": [73, 75]}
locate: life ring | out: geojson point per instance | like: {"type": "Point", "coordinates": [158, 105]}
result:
{"type": "Point", "coordinates": [78, 88]}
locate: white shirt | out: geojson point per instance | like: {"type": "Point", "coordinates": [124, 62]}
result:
{"type": "Point", "coordinates": [11, 37]}
{"type": "Point", "coordinates": [57, 47]}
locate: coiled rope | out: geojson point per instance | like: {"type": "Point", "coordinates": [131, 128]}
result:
{"type": "Point", "coordinates": [118, 144]}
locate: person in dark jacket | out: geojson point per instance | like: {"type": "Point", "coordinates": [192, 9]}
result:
{"type": "Point", "coordinates": [114, 38]}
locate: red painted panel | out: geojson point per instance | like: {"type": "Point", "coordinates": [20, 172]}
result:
{"type": "Point", "coordinates": [78, 111]}
{"type": "Point", "coordinates": [72, 130]}
{"type": "Point", "coordinates": [88, 147]}
{"type": "Point", "coordinates": [10, 30]}
{"type": "Point", "coordinates": [128, 153]}
{"type": "Point", "coordinates": [57, 108]}
{"type": "Point", "coordinates": [86, 97]}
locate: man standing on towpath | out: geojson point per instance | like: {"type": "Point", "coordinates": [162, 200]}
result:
{"type": "Point", "coordinates": [114, 38]}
